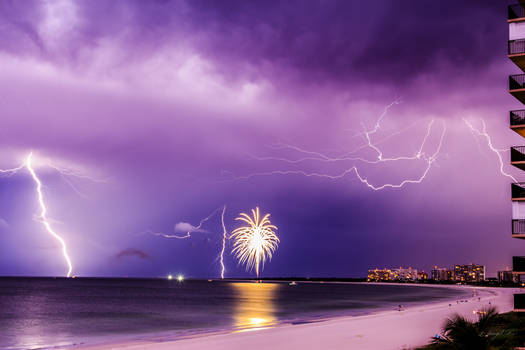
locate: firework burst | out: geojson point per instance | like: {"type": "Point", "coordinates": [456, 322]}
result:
{"type": "Point", "coordinates": [255, 242]}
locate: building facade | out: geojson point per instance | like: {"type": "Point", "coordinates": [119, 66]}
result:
{"type": "Point", "coordinates": [516, 53]}
{"type": "Point", "coordinates": [469, 273]}
{"type": "Point", "coordinates": [507, 277]}
{"type": "Point", "coordinates": [379, 275]}
{"type": "Point", "coordinates": [439, 274]}
{"type": "Point", "coordinates": [393, 275]}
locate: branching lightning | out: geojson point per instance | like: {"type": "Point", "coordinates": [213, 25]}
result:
{"type": "Point", "coordinates": [198, 228]}
{"type": "Point", "coordinates": [483, 133]}
{"type": "Point", "coordinates": [42, 217]}
{"type": "Point", "coordinates": [12, 171]}
{"type": "Point", "coordinates": [70, 172]}
{"type": "Point", "coordinates": [43, 211]}
{"type": "Point", "coordinates": [308, 155]}
{"type": "Point", "coordinates": [165, 235]}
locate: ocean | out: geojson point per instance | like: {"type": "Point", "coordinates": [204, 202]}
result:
{"type": "Point", "coordinates": [46, 313]}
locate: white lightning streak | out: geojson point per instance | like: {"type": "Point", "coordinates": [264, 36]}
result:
{"type": "Point", "coordinates": [317, 156]}
{"type": "Point", "coordinates": [28, 164]}
{"type": "Point", "coordinates": [43, 212]}
{"type": "Point", "coordinates": [430, 160]}
{"type": "Point", "coordinates": [324, 158]}
{"type": "Point", "coordinates": [69, 172]}
{"type": "Point", "coordinates": [12, 170]}
{"type": "Point", "coordinates": [165, 235]}
{"type": "Point", "coordinates": [483, 133]}
{"type": "Point", "coordinates": [224, 237]}
{"type": "Point", "coordinates": [188, 235]}
{"type": "Point", "coordinates": [376, 128]}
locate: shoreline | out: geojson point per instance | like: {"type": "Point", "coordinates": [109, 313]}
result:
{"type": "Point", "coordinates": [382, 329]}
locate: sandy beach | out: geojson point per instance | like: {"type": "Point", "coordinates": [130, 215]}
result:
{"type": "Point", "coordinates": [387, 330]}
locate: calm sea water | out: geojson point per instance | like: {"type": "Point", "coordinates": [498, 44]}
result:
{"type": "Point", "coordinates": [46, 312]}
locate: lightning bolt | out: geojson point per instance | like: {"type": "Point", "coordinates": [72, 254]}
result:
{"type": "Point", "coordinates": [188, 233]}
{"type": "Point", "coordinates": [165, 235]}
{"type": "Point", "coordinates": [8, 172]}
{"type": "Point", "coordinates": [46, 222]}
{"type": "Point", "coordinates": [43, 211]}
{"type": "Point", "coordinates": [198, 227]}
{"type": "Point", "coordinates": [66, 172]}
{"type": "Point", "coordinates": [309, 155]}
{"type": "Point", "coordinates": [376, 128]}
{"type": "Point", "coordinates": [224, 237]}
{"type": "Point", "coordinates": [483, 133]}
{"type": "Point", "coordinates": [70, 172]}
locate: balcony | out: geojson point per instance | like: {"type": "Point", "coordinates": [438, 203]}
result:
{"type": "Point", "coordinates": [518, 191]}
{"type": "Point", "coordinates": [518, 229]}
{"type": "Point", "coordinates": [516, 52]}
{"type": "Point", "coordinates": [519, 302]}
{"type": "Point", "coordinates": [517, 156]}
{"type": "Point", "coordinates": [517, 121]}
{"type": "Point", "coordinates": [517, 86]}
{"type": "Point", "coordinates": [516, 13]}
{"type": "Point", "coordinates": [518, 264]}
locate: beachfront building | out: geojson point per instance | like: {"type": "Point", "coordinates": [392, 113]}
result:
{"type": "Point", "coordinates": [393, 275]}
{"type": "Point", "coordinates": [516, 53]}
{"type": "Point", "coordinates": [404, 275]}
{"type": "Point", "coordinates": [469, 273]}
{"type": "Point", "coordinates": [439, 274]}
{"type": "Point", "coordinates": [507, 277]}
{"type": "Point", "coordinates": [379, 275]}
{"type": "Point", "coordinates": [422, 276]}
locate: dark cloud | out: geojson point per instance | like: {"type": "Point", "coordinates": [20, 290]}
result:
{"type": "Point", "coordinates": [166, 133]}
{"type": "Point", "coordinates": [338, 41]}
{"type": "Point", "coordinates": [132, 252]}
{"type": "Point", "coordinates": [415, 37]}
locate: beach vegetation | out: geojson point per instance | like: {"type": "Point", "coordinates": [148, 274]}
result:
{"type": "Point", "coordinates": [490, 331]}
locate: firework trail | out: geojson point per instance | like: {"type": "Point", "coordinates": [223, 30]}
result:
{"type": "Point", "coordinates": [255, 242]}
{"type": "Point", "coordinates": [483, 133]}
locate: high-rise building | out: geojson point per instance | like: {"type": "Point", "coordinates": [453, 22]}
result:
{"type": "Point", "coordinates": [404, 275]}
{"type": "Point", "coordinates": [399, 275]}
{"type": "Point", "coordinates": [379, 275]}
{"type": "Point", "coordinates": [469, 273]}
{"type": "Point", "coordinates": [507, 277]}
{"type": "Point", "coordinates": [422, 276]}
{"type": "Point", "coordinates": [516, 53]}
{"type": "Point", "coordinates": [439, 274]}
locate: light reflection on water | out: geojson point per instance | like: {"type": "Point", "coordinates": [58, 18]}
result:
{"type": "Point", "coordinates": [47, 312]}
{"type": "Point", "coordinates": [255, 305]}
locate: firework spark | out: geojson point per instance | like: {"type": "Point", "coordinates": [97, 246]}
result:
{"type": "Point", "coordinates": [255, 242]}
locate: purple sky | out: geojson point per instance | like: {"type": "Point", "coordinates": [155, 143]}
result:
{"type": "Point", "coordinates": [172, 101]}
